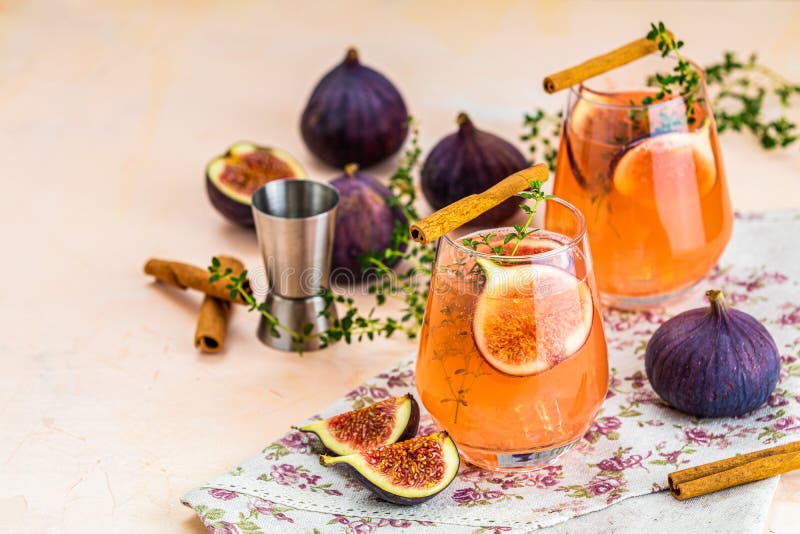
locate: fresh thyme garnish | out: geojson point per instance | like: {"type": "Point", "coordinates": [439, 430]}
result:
{"type": "Point", "coordinates": [537, 195]}
{"type": "Point", "coordinates": [484, 239]}
{"type": "Point", "coordinates": [521, 231]}
{"type": "Point", "coordinates": [684, 78]}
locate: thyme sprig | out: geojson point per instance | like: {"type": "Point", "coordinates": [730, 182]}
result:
{"type": "Point", "coordinates": [238, 286]}
{"type": "Point", "coordinates": [684, 78]}
{"type": "Point", "coordinates": [351, 326]}
{"type": "Point", "coordinates": [545, 143]}
{"type": "Point", "coordinates": [741, 92]}
{"type": "Point", "coordinates": [486, 240]}
{"type": "Point", "coordinates": [538, 196]}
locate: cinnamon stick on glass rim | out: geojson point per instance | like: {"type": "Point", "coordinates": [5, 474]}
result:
{"type": "Point", "coordinates": [741, 469]}
{"type": "Point", "coordinates": [212, 323]}
{"type": "Point", "coordinates": [600, 64]}
{"type": "Point", "coordinates": [462, 211]}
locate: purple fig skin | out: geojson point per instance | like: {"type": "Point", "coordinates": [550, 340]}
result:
{"type": "Point", "coordinates": [716, 362]}
{"type": "Point", "coordinates": [241, 214]}
{"type": "Point", "coordinates": [386, 494]}
{"type": "Point", "coordinates": [364, 220]}
{"type": "Point", "coordinates": [413, 421]}
{"type": "Point", "coordinates": [469, 162]}
{"type": "Point", "coordinates": [354, 114]}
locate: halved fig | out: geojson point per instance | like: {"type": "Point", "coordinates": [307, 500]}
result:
{"type": "Point", "coordinates": [666, 165]}
{"type": "Point", "coordinates": [409, 472]}
{"type": "Point", "coordinates": [232, 178]}
{"type": "Point", "coordinates": [387, 421]}
{"type": "Point", "coordinates": [529, 318]}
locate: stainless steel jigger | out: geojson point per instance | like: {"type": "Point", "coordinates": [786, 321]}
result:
{"type": "Point", "coordinates": [294, 222]}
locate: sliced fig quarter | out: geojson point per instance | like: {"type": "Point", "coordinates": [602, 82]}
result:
{"type": "Point", "coordinates": [529, 318]}
{"type": "Point", "coordinates": [382, 423]}
{"type": "Point", "coordinates": [405, 473]}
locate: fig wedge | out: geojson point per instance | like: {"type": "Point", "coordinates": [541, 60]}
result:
{"type": "Point", "coordinates": [405, 473]}
{"type": "Point", "coordinates": [382, 423]}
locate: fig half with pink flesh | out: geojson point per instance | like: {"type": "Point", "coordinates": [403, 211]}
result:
{"type": "Point", "coordinates": [405, 473]}
{"type": "Point", "coordinates": [382, 423]}
{"type": "Point", "coordinates": [530, 317]}
{"type": "Point", "coordinates": [232, 178]}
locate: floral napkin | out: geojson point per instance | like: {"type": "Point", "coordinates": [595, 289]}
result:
{"type": "Point", "coordinates": [628, 451]}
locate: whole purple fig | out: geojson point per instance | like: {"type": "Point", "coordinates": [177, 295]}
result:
{"type": "Point", "coordinates": [354, 114]}
{"type": "Point", "coordinates": [713, 362]}
{"type": "Point", "coordinates": [467, 162]}
{"type": "Point", "coordinates": [365, 220]}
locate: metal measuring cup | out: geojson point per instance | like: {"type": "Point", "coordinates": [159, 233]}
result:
{"type": "Point", "coordinates": [294, 221]}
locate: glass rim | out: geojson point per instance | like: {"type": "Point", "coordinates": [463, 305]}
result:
{"type": "Point", "coordinates": [581, 91]}
{"type": "Point", "coordinates": [581, 234]}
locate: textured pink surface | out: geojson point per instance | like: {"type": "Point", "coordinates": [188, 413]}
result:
{"type": "Point", "coordinates": [108, 116]}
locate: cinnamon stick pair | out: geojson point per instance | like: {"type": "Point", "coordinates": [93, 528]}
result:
{"type": "Point", "coordinates": [723, 474]}
{"type": "Point", "coordinates": [212, 322]}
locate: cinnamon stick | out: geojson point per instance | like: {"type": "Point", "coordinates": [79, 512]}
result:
{"type": "Point", "coordinates": [462, 211]}
{"type": "Point", "coordinates": [183, 275]}
{"type": "Point", "coordinates": [600, 64]}
{"type": "Point", "coordinates": [212, 323]}
{"type": "Point", "coordinates": [741, 469]}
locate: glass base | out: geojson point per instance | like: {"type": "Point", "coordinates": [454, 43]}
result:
{"type": "Point", "coordinates": [650, 302]}
{"type": "Point", "coordinates": [518, 461]}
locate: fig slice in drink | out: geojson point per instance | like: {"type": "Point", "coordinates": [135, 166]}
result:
{"type": "Point", "coordinates": [530, 317]}
{"type": "Point", "coordinates": [678, 162]}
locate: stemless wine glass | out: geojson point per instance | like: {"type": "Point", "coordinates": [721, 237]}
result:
{"type": "Point", "coordinates": [512, 359]}
{"type": "Point", "coordinates": [649, 179]}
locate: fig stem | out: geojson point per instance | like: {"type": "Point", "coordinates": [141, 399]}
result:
{"type": "Point", "coordinates": [717, 299]}
{"type": "Point", "coordinates": [350, 169]}
{"type": "Point", "coordinates": [351, 57]}
{"type": "Point", "coordinates": [463, 120]}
